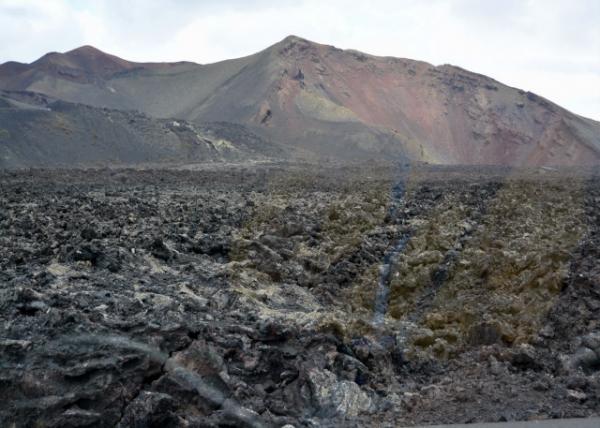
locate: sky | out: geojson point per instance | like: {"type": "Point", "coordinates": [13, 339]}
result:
{"type": "Point", "coordinates": [550, 47]}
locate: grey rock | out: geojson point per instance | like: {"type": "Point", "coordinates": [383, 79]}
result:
{"type": "Point", "coordinates": [332, 397]}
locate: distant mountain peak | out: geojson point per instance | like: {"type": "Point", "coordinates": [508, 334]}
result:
{"type": "Point", "coordinates": [83, 64]}
{"type": "Point", "coordinates": [294, 46]}
{"type": "Point", "coordinates": [87, 50]}
{"type": "Point", "coordinates": [295, 39]}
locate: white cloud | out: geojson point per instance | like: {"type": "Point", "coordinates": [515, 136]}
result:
{"type": "Point", "coordinates": [551, 47]}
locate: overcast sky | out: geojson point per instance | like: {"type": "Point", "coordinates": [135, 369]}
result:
{"type": "Point", "coordinates": [551, 47]}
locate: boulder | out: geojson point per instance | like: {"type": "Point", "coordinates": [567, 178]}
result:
{"type": "Point", "coordinates": [334, 398]}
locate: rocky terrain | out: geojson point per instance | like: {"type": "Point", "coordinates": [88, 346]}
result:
{"type": "Point", "coordinates": [322, 102]}
{"type": "Point", "coordinates": [291, 294]}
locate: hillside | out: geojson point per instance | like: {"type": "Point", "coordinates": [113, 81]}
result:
{"type": "Point", "coordinates": [329, 102]}
{"type": "Point", "coordinates": [39, 131]}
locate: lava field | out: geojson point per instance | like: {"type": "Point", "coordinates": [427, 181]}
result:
{"type": "Point", "coordinates": [291, 294]}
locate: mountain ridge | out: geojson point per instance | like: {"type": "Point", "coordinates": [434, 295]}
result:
{"type": "Point", "coordinates": [331, 102]}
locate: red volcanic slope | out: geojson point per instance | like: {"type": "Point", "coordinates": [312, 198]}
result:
{"type": "Point", "coordinates": [331, 102]}
{"type": "Point", "coordinates": [444, 114]}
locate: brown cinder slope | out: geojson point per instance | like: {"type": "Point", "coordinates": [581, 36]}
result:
{"type": "Point", "coordinates": [340, 103]}
{"type": "Point", "coordinates": [82, 75]}
{"type": "Point", "coordinates": [85, 64]}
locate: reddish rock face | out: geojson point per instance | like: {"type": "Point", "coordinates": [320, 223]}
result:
{"type": "Point", "coordinates": [441, 114]}
{"type": "Point", "coordinates": [327, 102]}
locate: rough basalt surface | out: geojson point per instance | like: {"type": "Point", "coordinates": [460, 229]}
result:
{"type": "Point", "coordinates": [246, 296]}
